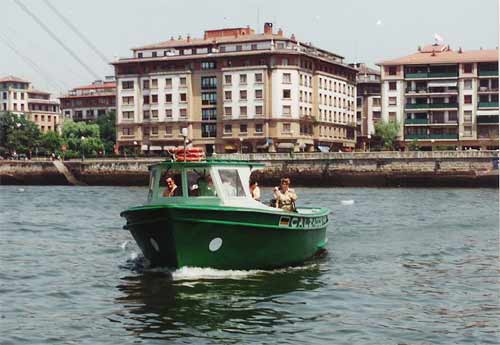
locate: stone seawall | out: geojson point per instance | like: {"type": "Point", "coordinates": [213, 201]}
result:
{"type": "Point", "coordinates": [370, 169]}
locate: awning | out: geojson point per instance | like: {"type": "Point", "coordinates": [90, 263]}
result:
{"type": "Point", "coordinates": [229, 147]}
{"type": "Point", "coordinates": [324, 148]}
{"type": "Point", "coordinates": [286, 145]}
{"type": "Point", "coordinates": [442, 84]}
{"type": "Point", "coordinates": [155, 148]}
{"type": "Point", "coordinates": [487, 112]}
{"type": "Point", "coordinates": [144, 147]}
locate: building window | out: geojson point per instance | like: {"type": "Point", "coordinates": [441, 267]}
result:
{"type": "Point", "coordinates": [467, 131]}
{"type": "Point", "coordinates": [127, 131]}
{"type": "Point", "coordinates": [392, 85]}
{"type": "Point", "coordinates": [258, 94]}
{"type": "Point", "coordinates": [468, 99]}
{"type": "Point", "coordinates": [154, 83]}
{"type": "Point", "coordinates": [287, 128]}
{"type": "Point", "coordinates": [146, 114]}
{"type": "Point", "coordinates": [287, 110]}
{"type": "Point", "coordinates": [228, 95]}
{"type": "Point", "coordinates": [209, 82]}
{"type": "Point", "coordinates": [243, 111]}
{"type": "Point", "coordinates": [183, 97]}
{"type": "Point", "coordinates": [208, 65]}
{"type": "Point", "coordinates": [228, 79]}
{"type": "Point", "coordinates": [145, 99]}
{"type": "Point", "coordinates": [145, 84]}
{"type": "Point", "coordinates": [392, 116]}
{"type": "Point", "coordinates": [139, 55]}
{"type": "Point", "coordinates": [243, 78]}
{"type": "Point", "coordinates": [258, 77]}
{"type": "Point", "coordinates": [183, 112]}
{"type": "Point", "coordinates": [287, 78]}
{"type": "Point", "coordinates": [287, 94]}
{"type": "Point", "coordinates": [243, 128]}
{"type": "Point", "coordinates": [468, 68]}
{"type": "Point", "coordinates": [168, 98]}
{"type": "Point", "coordinates": [468, 116]}
{"type": "Point", "coordinates": [259, 128]}
{"type": "Point", "coordinates": [243, 95]}
{"type": "Point", "coordinates": [128, 100]}
{"type": "Point", "coordinates": [258, 110]}
{"type": "Point", "coordinates": [392, 100]}
{"type": "Point", "coordinates": [168, 131]}
{"type": "Point", "coordinates": [209, 114]}
{"type": "Point", "coordinates": [168, 114]}
{"type": "Point", "coordinates": [228, 111]}
{"type": "Point", "coordinates": [208, 98]}
{"type": "Point", "coordinates": [183, 81]}
{"type": "Point", "coordinates": [154, 114]}
{"type": "Point", "coordinates": [128, 84]}
{"type": "Point", "coordinates": [154, 98]}
{"type": "Point", "coordinates": [228, 129]}
{"type": "Point", "coordinates": [168, 83]}
{"type": "Point", "coordinates": [208, 130]}
{"type": "Point", "coordinates": [154, 130]}
{"type": "Point", "coordinates": [253, 46]}
{"type": "Point", "coordinates": [393, 70]}
{"type": "Point", "coordinates": [467, 84]}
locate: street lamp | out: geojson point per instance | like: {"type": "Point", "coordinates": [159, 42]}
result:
{"type": "Point", "coordinates": [432, 144]}
{"type": "Point", "coordinates": [83, 151]}
{"type": "Point", "coordinates": [369, 141]}
{"type": "Point", "coordinates": [184, 133]}
{"type": "Point", "coordinates": [241, 145]}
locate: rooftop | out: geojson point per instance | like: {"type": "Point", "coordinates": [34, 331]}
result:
{"type": "Point", "coordinates": [11, 78]}
{"type": "Point", "coordinates": [441, 54]}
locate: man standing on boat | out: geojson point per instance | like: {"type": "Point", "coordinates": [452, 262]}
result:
{"type": "Point", "coordinates": [255, 190]}
{"type": "Point", "coordinates": [171, 189]}
{"type": "Point", "coordinates": [285, 197]}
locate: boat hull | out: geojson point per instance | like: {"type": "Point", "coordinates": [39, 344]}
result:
{"type": "Point", "coordinates": [226, 238]}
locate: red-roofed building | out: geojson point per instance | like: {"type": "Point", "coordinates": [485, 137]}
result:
{"type": "Point", "coordinates": [443, 97]}
{"type": "Point", "coordinates": [87, 103]}
{"type": "Point", "coordinates": [19, 97]}
{"type": "Point", "coordinates": [236, 90]}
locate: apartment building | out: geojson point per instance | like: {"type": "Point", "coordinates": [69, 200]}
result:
{"type": "Point", "coordinates": [236, 90]}
{"type": "Point", "coordinates": [443, 97]}
{"type": "Point", "coordinates": [20, 97]}
{"type": "Point", "coordinates": [368, 104]}
{"type": "Point", "coordinates": [87, 103]}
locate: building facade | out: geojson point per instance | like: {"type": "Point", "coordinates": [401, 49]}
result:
{"type": "Point", "coordinates": [19, 97]}
{"type": "Point", "coordinates": [235, 90]}
{"type": "Point", "coordinates": [443, 97]}
{"type": "Point", "coordinates": [368, 104]}
{"type": "Point", "coordinates": [87, 103]}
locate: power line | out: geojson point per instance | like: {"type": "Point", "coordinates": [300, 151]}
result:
{"type": "Point", "coordinates": [29, 61]}
{"type": "Point", "coordinates": [77, 32]}
{"type": "Point", "coordinates": [61, 43]}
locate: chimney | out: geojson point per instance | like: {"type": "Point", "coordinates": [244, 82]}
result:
{"type": "Point", "coordinates": [419, 48]}
{"type": "Point", "coordinates": [460, 50]}
{"type": "Point", "coordinates": [179, 38]}
{"type": "Point", "coordinates": [280, 32]}
{"type": "Point", "coordinates": [188, 38]}
{"type": "Point", "coordinates": [268, 28]}
{"type": "Point", "coordinates": [171, 38]}
{"type": "Point", "coordinates": [293, 37]}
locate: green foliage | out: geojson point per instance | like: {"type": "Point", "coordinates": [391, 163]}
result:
{"type": "Point", "coordinates": [388, 132]}
{"type": "Point", "coordinates": [82, 137]}
{"type": "Point", "coordinates": [107, 128]}
{"type": "Point", "coordinates": [413, 146]}
{"type": "Point", "coordinates": [50, 142]}
{"type": "Point", "coordinates": [18, 134]}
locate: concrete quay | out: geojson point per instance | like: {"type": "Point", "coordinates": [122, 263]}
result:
{"type": "Point", "coordinates": [358, 169]}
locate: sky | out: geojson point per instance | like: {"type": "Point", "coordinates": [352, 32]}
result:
{"type": "Point", "coordinates": [360, 30]}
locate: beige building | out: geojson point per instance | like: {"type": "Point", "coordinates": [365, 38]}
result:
{"type": "Point", "coordinates": [87, 103]}
{"type": "Point", "coordinates": [236, 90]}
{"type": "Point", "coordinates": [19, 97]}
{"type": "Point", "coordinates": [443, 97]}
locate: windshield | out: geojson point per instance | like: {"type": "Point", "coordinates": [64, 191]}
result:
{"type": "Point", "coordinates": [231, 183]}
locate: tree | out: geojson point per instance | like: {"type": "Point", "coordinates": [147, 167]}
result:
{"type": "Point", "coordinates": [51, 142]}
{"type": "Point", "coordinates": [18, 133]}
{"type": "Point", "coordinates": [107, 127]}
{"type": "Point", "coordinates": [388, 132]}
{"type": "Point", "coordinates": [82, 137]}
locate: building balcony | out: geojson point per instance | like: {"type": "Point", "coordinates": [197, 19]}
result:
{"type": "Point", "coordinates": [487, 105]}
{"type": "Point", "coordinates": [416, 106]}
{"type": "Point", "coordinates": [443, 74]}
{"type": "Point", "coordinates": [431, 105]}
{"type": "Point", "coordinates": [440, 136]}
{"type": "Point", "coordinates": [420, 75]}
{"type": "Point", "coordinates": [488, 120]}
{"type": "Point", "coordinates": [485, 73]}
{"type": "Point", "coordinates": [416, 121]}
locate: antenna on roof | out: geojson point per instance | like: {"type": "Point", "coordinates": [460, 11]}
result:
{"type": "Point", "coordinates": [438, 39]}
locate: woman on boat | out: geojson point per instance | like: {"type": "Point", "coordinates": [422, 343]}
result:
{"type": "Point", "coordinates": [171, 189]}
{"type": "Point", "coordinates": [255, 190]}
{"type": "Point", "coordinates": [285, 196]}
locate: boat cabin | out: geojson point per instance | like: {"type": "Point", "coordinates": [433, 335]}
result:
{"type": "Point", "coordinates": [212, 182]}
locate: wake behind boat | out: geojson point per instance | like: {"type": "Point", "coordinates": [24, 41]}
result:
{"type": "Point", "coordinates": [210, 220]}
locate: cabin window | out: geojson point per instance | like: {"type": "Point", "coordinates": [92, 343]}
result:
{"type": "Point", "coordinates": [231, 183]}
{"type": "Point", "coordinates": [170, 184]}
{"type": "Point", "coordinates": [200, 183]}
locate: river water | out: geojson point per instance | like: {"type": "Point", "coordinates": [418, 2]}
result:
{"type": "Point", "coordinates": [404, 266]}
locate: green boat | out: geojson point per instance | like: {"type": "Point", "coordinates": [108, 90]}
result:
{"type": "Point", "coordinates": [212, 221]}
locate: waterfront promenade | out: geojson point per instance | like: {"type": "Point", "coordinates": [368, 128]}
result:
{"type": "Point", "coordinates": [363, 169]}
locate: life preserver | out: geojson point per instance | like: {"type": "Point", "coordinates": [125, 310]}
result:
{"type": "Point", "coordinates": [192, 154]}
